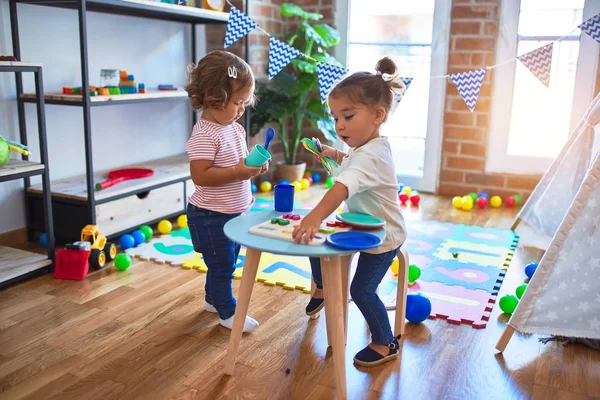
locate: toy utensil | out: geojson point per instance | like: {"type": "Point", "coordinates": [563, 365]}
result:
{"type": "Point", "coordinates": [119, 175]}
{"type": "Point", "coordinates": [269, 135]}
{"type": "Point", "coordinates": [327, 162]}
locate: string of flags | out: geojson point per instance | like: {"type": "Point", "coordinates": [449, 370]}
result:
{"type": "Point", "coordinates": [468, 83]}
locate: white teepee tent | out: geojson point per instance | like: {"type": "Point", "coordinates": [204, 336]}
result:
{"type": "Point", "coordinates": [563, 297]}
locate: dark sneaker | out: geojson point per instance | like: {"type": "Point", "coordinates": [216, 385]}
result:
{"type": "Point", "coordinates": [368, 357]}
{"type": "Point", "coordinates": [314, 306]}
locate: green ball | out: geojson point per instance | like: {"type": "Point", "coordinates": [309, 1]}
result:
{"type": "Point", "coordinates": [122, 261]}
{"type": "Point", "coordinates": [508, 303]}
{"type": "Point", "coordinates": [520, 290]}
{"type": "Point", "coordinates": [473, 195]}
{"type": "Point", "coordinates": [518, 199]}
{"type": "Point", "coordinates": [4, 151]}
{"type": "Point", "coordinates": [147, 231]}
{"type": "Point", "coordinates": [414, 273]}
{"type": "Point", "coordinates": [329, 182]}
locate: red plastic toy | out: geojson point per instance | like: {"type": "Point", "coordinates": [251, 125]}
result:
{"type": "Point", "coordinates": [71, 264]}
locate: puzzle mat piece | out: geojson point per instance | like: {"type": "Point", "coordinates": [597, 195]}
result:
{"type": "Point", "coordinates": [482, 254]}
{"type": "Point", "coordinates": [173, 248]}
{"type": "Point", "coordinates": [455, 304]}
{"type": "Point", "coordinates": [469, 275]}
{"type": "Point", "coordinates": [481, 235]}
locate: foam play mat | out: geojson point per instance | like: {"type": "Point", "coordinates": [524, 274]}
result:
{"type": "Point", "coordinates": [462, 268]}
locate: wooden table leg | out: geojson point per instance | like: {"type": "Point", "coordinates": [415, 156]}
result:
{"type": "Point", "coordinates": [346, 261]}
{"type": "Point", "coordinates": [241, 310]}
{"type": "Point", "coordinates": [334, 315]}
{"type": "Point", "coordinates": [401, 292]}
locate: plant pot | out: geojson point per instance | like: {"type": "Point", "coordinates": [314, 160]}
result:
{"type": "Point", "coordinates": [290, 173]}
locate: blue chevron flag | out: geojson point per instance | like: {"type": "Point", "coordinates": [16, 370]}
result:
{"type": "Point", "coordinates": [399, 94]}
{"type": "Point", "coordinates": [280, 55]}
{"type": "Point", "coordinates": [539, 62]}
{"type": "Point", "coordinates": [469, 85]}
{"type": "Point", "coordinates": [592, 27]}
{"type": "Point", "coordinates": [238, 26]}
{"type": "Point", "coordinates": [328, 75]}
{"type": "Point", "coordinates": [407, 82]}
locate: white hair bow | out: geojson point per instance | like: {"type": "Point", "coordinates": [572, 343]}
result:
{"type": "Point", "coordinates": [386, 77]}
{"type": "Point", "coordinates": [232, 72]}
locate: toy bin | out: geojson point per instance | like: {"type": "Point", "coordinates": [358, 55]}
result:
{"type": "Point", "coordinates": [71, 264]}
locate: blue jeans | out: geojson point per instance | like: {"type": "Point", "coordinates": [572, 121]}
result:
{"type": "Point", "coordinates": [370, 271]}
{"type": "Point", "coordinates": [220, 256]}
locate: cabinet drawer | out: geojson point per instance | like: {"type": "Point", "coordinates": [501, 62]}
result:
{"type": "Point", "coordinates": [130, 211]}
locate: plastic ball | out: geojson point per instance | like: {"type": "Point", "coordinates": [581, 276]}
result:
{"type": "Point", "coordinates": [496, 201]}
{"type": "Point", "coordinates": [329, 182]}
{"type": "Point", "coordinates": [484, 194]}
{"type": "Point", "coordinates": [147, 231]}
{"type": "Point", "coordinates": [473, 195]}
{"type": "Point", "coordinates": [265, 186]}
{"type": "Point", "coordinates": [418, 308]}
{"type": "Point", "coordinates": [510, 201]}
{"type": "Point", "coordinates": [297, 186]}
{"type": "Point", "coordinates": [530, 269]}
{"type": "Point", "coordinates": [283, 182]}
{"type": "Point", "coordinates": [520, 290]}
{"type": "Point", "coordinates": [482, 202]}
{"type": "Point", "coordinates": [309, 179]}
{"type": "Point", "coordinates": [138, 237]}
{"type": "Point", "coordinates": [307, 174]}
{"type": "Point", "coordinates": [305, 184]}
{"type": "Point", "coordinates": [508, 303]}
{"type": "Point", "coordinates": [316, 177]}
{"type": "Point", "coordinates": [127, 241]}
{"type": "Point", "coordinates": [407, 190]}
{"type": "Point", "coordinates": [403, 197]}
{"type": "Point", "coordinates": [415, 199]}
{"type": "Point", "coordinates": [394, 267]}
{"type": "Point", "coordinates": [518, 199]}
{"type": "Point", "coordinates": [467, 203]}
{"type": "Point", "coordinates": [400, 187]}
{"type": "Point", "coordinates": [414, 273]}
{"type": "Point", "coordinates": [122, 261]}
{"type": "Point", "coordinates": [457, 202]}
{"type": "Point", "coordinates": [182, 221]}
{"type": "Point", "coordinates": [165, 226]}
{"type": "Point", "coordinates": [44, 240]}
{"type": "Point", "coordinates": [253, 188]}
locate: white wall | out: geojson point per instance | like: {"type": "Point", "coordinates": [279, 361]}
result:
{"type": "Point", "coordinates": [153, 51]}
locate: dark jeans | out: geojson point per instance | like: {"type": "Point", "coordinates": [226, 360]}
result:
{"type": "Point", "coordinates": [220, 256]}
{"type": "Point", "coordinates": [370, 271]}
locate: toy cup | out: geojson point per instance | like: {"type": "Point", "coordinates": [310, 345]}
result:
{"type": "Point", "coordinates": [284, 197]}
{"type": "Point", "coordinates": [258, 156]}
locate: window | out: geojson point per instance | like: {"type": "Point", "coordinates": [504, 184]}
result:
{"type": "Point", "coordinates": [531, 123]}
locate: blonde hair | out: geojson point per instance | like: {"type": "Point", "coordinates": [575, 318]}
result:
{"type": "Point", "coordinates": [210, 84]}
{"type": "Point", "coordinates": [372, 89]}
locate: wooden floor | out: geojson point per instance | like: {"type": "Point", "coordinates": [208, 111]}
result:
{"type": "Point", "coordinates": [143, 333]}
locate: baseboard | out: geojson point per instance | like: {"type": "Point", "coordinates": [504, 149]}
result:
{"type": "Point", "coordinates": [14, 238]}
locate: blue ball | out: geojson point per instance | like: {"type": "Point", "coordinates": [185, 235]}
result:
{"type": "Point", "coordinates": [127, 241]}
{"type": "Point", "coordinates": [418, 308]}
{"type": "Point", "coordinates": [316, 177]}
{"type": "Point", "coordinates": [484, 194]}
{"type": "Point", "coordinates": [139, 237]}
{"type": "Point", "coordinates": [400, 187]}
{"type": "Point", "coordinates": [283, 182]}
{"type": "Point", "coordinates": [44, 240]}
{"type": "Point", "coordinates": [530, 269]}
{"type": "Point", "coordinates": [253, 188]}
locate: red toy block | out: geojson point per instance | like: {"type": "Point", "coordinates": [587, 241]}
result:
{"type": "Point", "coordinates": [71, 264]}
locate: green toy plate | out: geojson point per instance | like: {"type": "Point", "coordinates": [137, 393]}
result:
{"type": "Point", "coordinates": [360, 220]}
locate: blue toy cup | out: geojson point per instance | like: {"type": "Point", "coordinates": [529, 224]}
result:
{"type": "Point", "coordinates": [284, 197]}
{"type": "Point", "coordinates": [258, 156]}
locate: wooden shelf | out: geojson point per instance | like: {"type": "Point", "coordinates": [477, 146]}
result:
{"type": "Point", "coordinates": [142, 8]}
{"type": "Point", "coordinates": [76, 99]}
{"type": "Point", "coordinates": [19, 64]}
{"type": "Point", "coordinates": [15, 169]}
{"type": "Point", "coordinates": [15, 262]}
{"type": "Point", "coordinates": [166, 170]}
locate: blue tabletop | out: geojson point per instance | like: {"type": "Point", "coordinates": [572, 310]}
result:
{"type": "Point", "coordinates": [238, 230]}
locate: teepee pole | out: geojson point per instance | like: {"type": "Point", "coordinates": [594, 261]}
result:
{"type": "Point", "coordinates": [505, 338]}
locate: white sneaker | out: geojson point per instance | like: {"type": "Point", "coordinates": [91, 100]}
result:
{"type": "Point", "coordinates": [210, 308]}
{"type": "Point", "coordinates": [249, 325]}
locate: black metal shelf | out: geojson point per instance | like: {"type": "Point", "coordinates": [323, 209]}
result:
{"type": "Point", "coordinates": [141, 8]}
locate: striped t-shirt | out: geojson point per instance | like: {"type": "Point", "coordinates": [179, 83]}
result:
{"type": "Point", "coordinates": [225, 146]}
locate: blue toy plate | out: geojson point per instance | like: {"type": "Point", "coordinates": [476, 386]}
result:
{"type": "Point", "coordinates": [353, 240]}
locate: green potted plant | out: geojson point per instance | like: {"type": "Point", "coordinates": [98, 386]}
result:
{"type": "Point", "coordinates": [291, 98]}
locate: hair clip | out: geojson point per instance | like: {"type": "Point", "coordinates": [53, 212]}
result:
{"type": "Point", "coordinates": [385, 77]}
{"type": "Point", "coordinates": [232, 72]}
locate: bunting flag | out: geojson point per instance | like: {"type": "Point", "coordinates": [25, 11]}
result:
{"type": "Point", "coordinates": [399, 94]}
{"type": "Point", "coordinates": [592, 27]}
{"type": "Point", "coordinates": [539, 62]}
{"type": "Point", "coordinates": [239, 25]}
{"type": "Point", "coordinates": [280, 55]}
{"type": "Point", "coordinates": [468, 85]}
{"type": "Point", "coordinates": [328, 75]}
{"type": "Point", "coordinates": [407, 82]}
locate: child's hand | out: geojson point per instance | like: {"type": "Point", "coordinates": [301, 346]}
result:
{"type": "Point", "coordinates": [244, 172]}
{"type": "Point", "coordinates": [306, 230]}
{"type": "Point", "coordinates": [265, 168]}
{"type": "Point", "coordinates": [328, 151]}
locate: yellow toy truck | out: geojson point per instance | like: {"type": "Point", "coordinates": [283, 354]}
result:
{"type": "Point", "coordinates": [101, 250]}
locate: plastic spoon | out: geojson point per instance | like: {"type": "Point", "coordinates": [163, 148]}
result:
{"type": "Point", "coordinates": [269, 135]}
